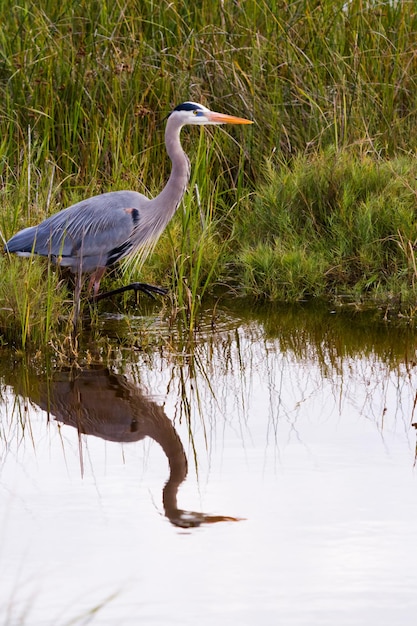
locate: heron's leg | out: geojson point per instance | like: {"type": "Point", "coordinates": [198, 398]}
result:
{"type": "Point", "coordinates": [149, 290]}
{"type": "Point", "coordinates": [95, 278]}
{"type": "Point", "coordinates": [77, 298]}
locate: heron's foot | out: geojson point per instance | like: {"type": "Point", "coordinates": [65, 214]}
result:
{"type": "Point", "coordinates": [149, 290]}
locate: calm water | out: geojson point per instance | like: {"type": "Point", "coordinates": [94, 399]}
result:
{"type": "Point", "coordinates": [264, 474]}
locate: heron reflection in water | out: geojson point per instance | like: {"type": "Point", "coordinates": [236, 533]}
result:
{"type": "Point", "coordinates": [104, 404]}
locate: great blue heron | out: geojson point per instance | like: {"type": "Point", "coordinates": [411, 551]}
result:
{"type": "Point", "coordinates": [96, 233]}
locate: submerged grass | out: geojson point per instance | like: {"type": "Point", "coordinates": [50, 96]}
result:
{"type": "Point", "coordinates": [317, 198]}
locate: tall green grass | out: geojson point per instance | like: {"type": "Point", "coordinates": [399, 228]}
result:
{"type": "Point", "coordinates": [85, 86]}
{"type": "Point", "coordinates": [35, 304]}
{"type": "Point", "coordinates": [329, 224]}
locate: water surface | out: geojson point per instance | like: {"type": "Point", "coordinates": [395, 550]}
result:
{"type": "Point", "coordinates": [263, 473]}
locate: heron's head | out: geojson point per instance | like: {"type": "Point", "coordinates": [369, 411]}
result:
{"type": "Point", "coordinates": [197, 114]}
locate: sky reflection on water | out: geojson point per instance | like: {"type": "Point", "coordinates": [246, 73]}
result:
{"type": "Point", "coordinates": [299, 422]}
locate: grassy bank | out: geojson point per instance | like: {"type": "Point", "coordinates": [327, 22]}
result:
{"type": "Point", "coordinates": [317, 198]}
{"type": "Point", "coordinates": [335, 223]}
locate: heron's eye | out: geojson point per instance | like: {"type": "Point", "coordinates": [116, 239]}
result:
{"type": "Point", "coordinates": [195, 112]}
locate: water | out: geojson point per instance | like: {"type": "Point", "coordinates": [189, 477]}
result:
{"type": "Point", "coordinates": [264, 474]}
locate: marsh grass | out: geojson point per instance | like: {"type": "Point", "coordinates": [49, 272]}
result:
{"type": "Point", "coordinates": [85, 87]}
{"type": "Point", "coordinates": [34, 302]}
{"type": "Point", "coordinates": [333, 222]}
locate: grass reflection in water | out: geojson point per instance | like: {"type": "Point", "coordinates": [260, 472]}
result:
{"type": "Point", "coordinates": [291, 418]}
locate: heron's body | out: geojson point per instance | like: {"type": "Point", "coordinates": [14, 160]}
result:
{"type": "Point", "coordinates": [96, 233]}
{"type": "Point", "coordinates": [77, 237]}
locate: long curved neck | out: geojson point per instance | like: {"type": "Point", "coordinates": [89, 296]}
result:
{"type": "Point", "coordinates": [157, 212]}
{"type": "Point", "coordinates": [174, 190]}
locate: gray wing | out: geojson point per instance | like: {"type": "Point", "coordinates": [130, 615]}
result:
{"type": "Point", "coordinates": [96, 230]}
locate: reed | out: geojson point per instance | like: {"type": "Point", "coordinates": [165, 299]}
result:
{"type": "Point", "coordinates": [34, 303]}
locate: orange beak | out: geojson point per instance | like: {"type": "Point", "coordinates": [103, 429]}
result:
{"type": "Point", "coordinates": [222, 118]}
